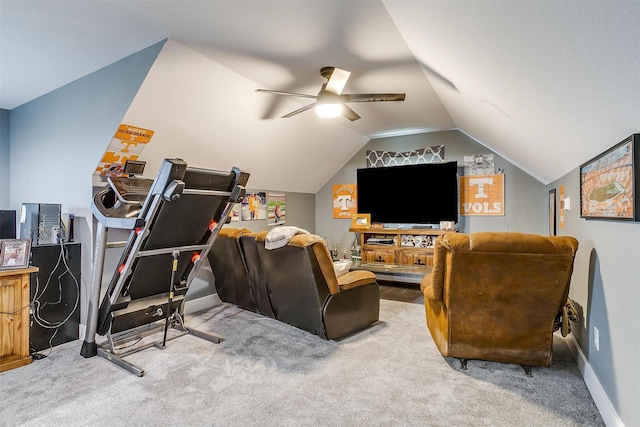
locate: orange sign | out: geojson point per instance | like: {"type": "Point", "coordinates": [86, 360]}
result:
{"type": "Point", "coordinates": [482, 194]}
{"type": "Point", "coordinates": [131, 134]}
{"type": "Point", "coordinates": [344, 201]}
{"type": "Point", "coordinates": [562, 206]}
{"type": "Point", "coordinates": [127, 144]}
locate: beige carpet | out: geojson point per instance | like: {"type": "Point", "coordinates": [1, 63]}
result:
{"type": "Point", "coordinates": [267, 373]}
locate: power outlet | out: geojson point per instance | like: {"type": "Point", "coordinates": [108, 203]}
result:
{"type": "Point", "coordinates": [596, 338]}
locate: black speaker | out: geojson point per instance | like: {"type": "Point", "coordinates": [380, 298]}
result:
{"type": "Point", "coordinates": [7, 224]}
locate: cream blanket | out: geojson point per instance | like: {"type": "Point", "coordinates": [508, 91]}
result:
{"type": "Point", "coordinates": [279, 236]}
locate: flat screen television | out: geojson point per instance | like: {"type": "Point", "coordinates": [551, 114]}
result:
{"type": "Point", "coordinates": [423, 194]}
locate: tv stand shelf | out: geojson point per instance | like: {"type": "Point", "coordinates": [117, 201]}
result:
{"type": "Point", "coordinates": [407, 247]}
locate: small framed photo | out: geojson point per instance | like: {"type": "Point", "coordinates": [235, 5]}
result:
{"type": "Point", "coordinates": [447, 225]}
{"type": "Point", "coordinates": [361, 221]}
{"type": "Point", "coordinates": [14, 253]}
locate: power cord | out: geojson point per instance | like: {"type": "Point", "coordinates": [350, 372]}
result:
{"type": "Point", "coordinates": [37, 306]}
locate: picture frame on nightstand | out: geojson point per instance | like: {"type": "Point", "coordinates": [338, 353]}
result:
{"type": "Point", "coordinates": [14, 253]}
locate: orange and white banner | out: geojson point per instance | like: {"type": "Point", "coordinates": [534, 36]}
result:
{"type": "Point", "coordinates": [482, 195]}
{"type": "Point", "coordinates": [344, 201]}
{"type": "Point", "coordinates": [127, 144]}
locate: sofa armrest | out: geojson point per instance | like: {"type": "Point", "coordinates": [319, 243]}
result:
{"type": "Point", "coordinates": [429, 290]}
{"type": "Point", "coordinates": [432, 284]}
{"type": "Point", "coordinates": [355, 278]}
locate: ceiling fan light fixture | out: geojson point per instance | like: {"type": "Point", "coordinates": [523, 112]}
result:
{"type": "Point", "coordinates": [328, 110]}
{"type": "Point", "coordinates": [330, 102]}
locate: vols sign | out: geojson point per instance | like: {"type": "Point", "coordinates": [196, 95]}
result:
{"type": "Point", "coordinates": [482, 195]}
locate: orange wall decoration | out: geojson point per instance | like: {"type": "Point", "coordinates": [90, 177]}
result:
{"type": "Point", "coordinates": [344, 201]}
{"type": "Point", "coordinates": [482, 194]}
{"type": "Point", "coordinates": [127, 144]}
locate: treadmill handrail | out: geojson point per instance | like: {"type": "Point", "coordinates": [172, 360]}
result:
{"type": "Point", "coordinates": [198, 192]}
{"type": "Point", "coordinates": [160, 251]}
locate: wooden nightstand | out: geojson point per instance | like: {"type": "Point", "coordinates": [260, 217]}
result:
{"type": "Point", "coordinates": [14, 318]}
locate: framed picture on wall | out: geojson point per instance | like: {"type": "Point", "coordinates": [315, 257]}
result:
{"type": "Point", "coordinates": [552, 212]}
{"type": "Point", "coordinates": [608, 183]}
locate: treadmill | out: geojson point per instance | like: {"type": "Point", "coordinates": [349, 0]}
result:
{"type": "Point", "coordinates": [174, 220]}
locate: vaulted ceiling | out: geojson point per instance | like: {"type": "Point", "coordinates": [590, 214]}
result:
{"type": "Point", "coordinates": [547, 85]}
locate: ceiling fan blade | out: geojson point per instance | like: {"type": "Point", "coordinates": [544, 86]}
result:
{"type": "Point", "coordinates": [373, 97]}
{"type": "Point", "coordinates": [299, 110]}
{"type": "Point", "coordinates": [337, 81]}
{"type": "Point", "coordinates": [280, 92]}
{"type": "Point", "coordinates": [349, 113]}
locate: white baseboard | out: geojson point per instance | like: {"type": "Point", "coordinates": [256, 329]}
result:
{"type": "Point", "coordinates": [607, 411]}
{"type": "Point", "coordinates": [203, 303]}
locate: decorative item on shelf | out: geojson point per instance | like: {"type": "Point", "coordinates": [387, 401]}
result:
{"type": "Point", "coordinates": [447, 225]}
{"type": "Point", "coordinates": [14, 253]}
{"type": "Point", "coordinates": [355, 248]}
{"type": "Point", "coordinates": [334, 252]}
{"type": "Point", "coordinates": [361, 220]}
{"type": "Point", "coordinates": [429, 242]}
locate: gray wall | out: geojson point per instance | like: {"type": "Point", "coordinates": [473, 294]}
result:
{"type": "Point", "coordinates": [605, 288]}
{"type": "Point", "coordinates": [57, 140]}
{"type": "Point", "coordinates": [525, 197]}
{"type": "Point", "coordinates": [4, 159]}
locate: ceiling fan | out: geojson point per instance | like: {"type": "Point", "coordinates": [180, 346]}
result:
{"type": "Point", "coordinates": [330, 101]}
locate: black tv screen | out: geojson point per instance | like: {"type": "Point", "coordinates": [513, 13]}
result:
{"type": "Point", "coordinates": [412, 194]}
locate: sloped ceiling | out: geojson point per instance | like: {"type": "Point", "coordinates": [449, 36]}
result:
{"type": "Point", "coordinates": [547, 85]}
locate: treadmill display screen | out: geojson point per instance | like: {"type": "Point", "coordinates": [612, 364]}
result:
{"type": "Point", "coordinates": [130, 190]}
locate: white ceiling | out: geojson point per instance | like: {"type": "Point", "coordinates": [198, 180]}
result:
{"type": "Point", "coordinates": [547, 85]}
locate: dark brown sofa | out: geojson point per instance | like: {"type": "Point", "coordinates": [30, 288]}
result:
{"type": "Point", "coordinates": [233, 283]}
{"type": "Point", "coordinates": [239, 278]}
{"type": "Point", "coordinates": [495, 295]}
{"type": "Point", "coordinates": [295, 284]}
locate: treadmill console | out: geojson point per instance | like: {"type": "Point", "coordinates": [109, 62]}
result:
{"type": "Point", "coordinates": [130, 190]}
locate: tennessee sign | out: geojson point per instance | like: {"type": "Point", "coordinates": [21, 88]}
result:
{"type": "Point", "coordinates": [344, 201]}
{"type": "Point", "coordinates": [482, 195]}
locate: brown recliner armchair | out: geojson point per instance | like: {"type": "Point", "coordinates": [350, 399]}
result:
{"type": "Point", "coordinates": [494, 295]}
{"type": "Point", "coordinates": [305, 292]}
